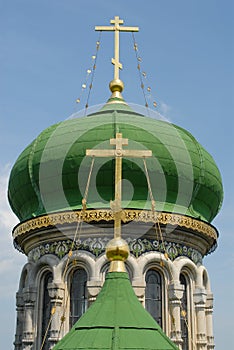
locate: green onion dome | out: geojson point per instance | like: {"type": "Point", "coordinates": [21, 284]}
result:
{"type": "Point", "coordinates": [52, 173]}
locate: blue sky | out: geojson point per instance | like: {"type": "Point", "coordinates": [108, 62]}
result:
{"type": "Point", "coordinates": [187, 52]}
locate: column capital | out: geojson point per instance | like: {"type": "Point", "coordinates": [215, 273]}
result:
{"type": "Point", "coordinates": [176, 338]}
{"type": "Point", "coordinates": [93, 288]}
{"type": "Point", "coordinates": [56, 290]}
{"type": "Point", "coordinates": [200, 296]}
{"type": "Point", "coordinates": [27, 344]}
{"type": "Point", "coordinates": [209, 301]}
{"type": "Point", "coordinates": [210, 343]}
{"type": "Point", "coordinates": [175, 291]}
{"type": "Point", "coordinates": [29, 295]}
{"type": "Point", "coordinates": [19, 299]}
{"type": "Point", "coordinates": [201, 340]}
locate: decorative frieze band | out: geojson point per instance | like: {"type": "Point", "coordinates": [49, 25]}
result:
{"type": "Point", "coordinates": [107, 215]}
{"type": "Point", "coordinates": [97, 246]}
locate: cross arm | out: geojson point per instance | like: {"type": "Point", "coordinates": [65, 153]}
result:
{"type": "Point", "coordinates": [128, 29]}
{"type": "Point", "coordinates": [119, 141]}
{"type": "Point", "coordinates": [137, 154]}
{"type": "Point", "coordinates": [118, 153]}
{"type": "Point", "coordinates": [100, 152]}
{"type": "Point", "coordinates": [105, 28]}
{"type": "Point", "coordinates": [121, 29]}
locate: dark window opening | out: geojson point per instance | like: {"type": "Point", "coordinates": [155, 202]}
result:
{"type": "Point", "coordinates": [153, 295]}
{"type": "Point", "coordinates": [78, 295]}
{"type": "Point", "coordinates": [184, 314]}
{"type": "Point", "coordinates": [46, 310]}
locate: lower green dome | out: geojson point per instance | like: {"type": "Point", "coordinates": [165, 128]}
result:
{"type": "Point", "coordinates": [51, 174]}
{"type": "Point", "coordinates": [117, 321]}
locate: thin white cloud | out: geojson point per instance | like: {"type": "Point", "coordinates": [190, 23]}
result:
{"type": "Point", "coordinates": [11, 261]}
{"type": "Point", "coordinates": [164, 109]}
{"type": "Point", "coordinates": [7, 219]}
{"type": "Point", "coordinates": [6, 265]}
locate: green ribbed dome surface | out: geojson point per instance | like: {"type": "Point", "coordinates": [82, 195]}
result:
{"type": "Point", "coordinates": [116, 321]}
{"type": "Point", "coordinates": [51, 174]}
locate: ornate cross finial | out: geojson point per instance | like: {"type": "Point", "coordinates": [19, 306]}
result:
{"type": "Point", "coordinates": [116, 84]}
{"type": "Point", "coordinates": [118, 153]}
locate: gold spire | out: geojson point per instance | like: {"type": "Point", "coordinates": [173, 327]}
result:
{"type": "Point", "coordinates": [117, 249]}
{"type": "Point", "coordinates": [116, 85]}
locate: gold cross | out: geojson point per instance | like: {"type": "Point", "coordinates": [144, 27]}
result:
{"type": "Point", "coordinates": [116, 28]}
{"type": "Point", "coordinates": [118, 153]}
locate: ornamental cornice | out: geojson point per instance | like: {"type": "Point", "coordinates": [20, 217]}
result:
{"type": "Point", "coordinates": [128, 215]}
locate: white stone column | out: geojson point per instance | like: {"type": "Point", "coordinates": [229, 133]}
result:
{"type": "Point", "coordinates": [29, 296]}
{"type": "Point", "coordinates": [209, 322]}
{"type": "Point", "coordinates": [19, 321]}
{"type": "Point", "coordinates": [175, 291]}
{"type": "Point", "coordinates": [56, 293]}
{"type": "Point", "coordinates": [200, 303]}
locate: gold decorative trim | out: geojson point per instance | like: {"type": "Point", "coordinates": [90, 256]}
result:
{"type": "Point", "coordinates": [128, 215]}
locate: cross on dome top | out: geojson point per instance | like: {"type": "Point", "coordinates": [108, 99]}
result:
{"type": "Point", "coordinates": [116, 85]}
{"type": "Point", "coordinates": [117, 249]}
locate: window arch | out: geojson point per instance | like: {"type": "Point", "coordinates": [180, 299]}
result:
{"type": "Point", "coordinates": [46, 308]}
{"type": "Point", "coordinates": [153, 295]}
{"type": "Point", "coordinates": [184, 314]}
{"type": "Point", "coordinates": [105, 270]}
{"type": "Point", "coordinates": [78, 295]}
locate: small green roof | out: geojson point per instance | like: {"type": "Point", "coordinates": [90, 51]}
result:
{"type": "Point", "coordinates": [116, 321]}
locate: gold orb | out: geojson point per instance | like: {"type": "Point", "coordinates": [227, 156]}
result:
{"type": "Point", "coordinates": [117, 249]}
{"type": "Point", "coordinates": [116, 85]}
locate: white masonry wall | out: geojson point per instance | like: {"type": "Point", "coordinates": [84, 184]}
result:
{"type": "Point", "coordinates": [200, 299]}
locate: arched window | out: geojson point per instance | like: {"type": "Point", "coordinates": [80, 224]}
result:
{"type": "Point", "coordinates": [153, 295]}
{"type": "Point", "coordinates": [184, 314]}
{"type": "Point", "coordinates": [46, 308]}
{"type": "Point", "coordinates": [78, 295]}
